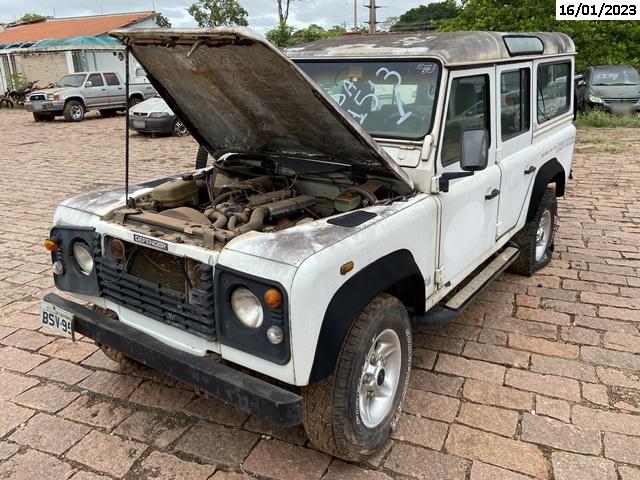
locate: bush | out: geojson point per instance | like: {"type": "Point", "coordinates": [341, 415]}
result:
{"type": "Point", "coordinates": [599, 119]}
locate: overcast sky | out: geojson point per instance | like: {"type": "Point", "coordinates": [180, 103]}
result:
{"type": "Point", "coordinates": [262, 13]}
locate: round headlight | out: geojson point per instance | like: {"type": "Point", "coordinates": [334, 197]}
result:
{"type": "Point", "coordinates": [247, 307]}
{"type": "Point", "coordinates": [83, 257]}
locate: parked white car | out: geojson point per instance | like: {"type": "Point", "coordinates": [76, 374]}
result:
{"type": "Point", "coordinates": [360, 185]}
{"type": "Point", "coordinates": [155, 117]}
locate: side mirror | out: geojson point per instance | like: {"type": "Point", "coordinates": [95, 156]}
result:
{"type": "Point", "coordinates": [475, 150]}
{"type": "Point", "coordinates": [88, 84]}
{"type": "Point", "coordinates": [581, 83]}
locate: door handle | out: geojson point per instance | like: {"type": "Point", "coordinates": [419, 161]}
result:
{"type": "Point", "coordinates": [103, 89]}
{"type": "Point", "coordinates": [494, 193]}
{"type": "Point", "coordinates": [530, 170]}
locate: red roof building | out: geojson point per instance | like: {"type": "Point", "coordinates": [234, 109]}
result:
{"type": "Point", "coordinates": [55, 28]}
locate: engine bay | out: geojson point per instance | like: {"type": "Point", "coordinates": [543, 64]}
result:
{"type": "Point", "coordinates": [240, 195]}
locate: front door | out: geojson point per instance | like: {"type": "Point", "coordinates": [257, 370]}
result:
{"type": "Point", "coordinates": [96, 95]}
{"type": "Point", "coordinates": [513, 155]}
{"type": "Point", "coordinates": [470, 207]}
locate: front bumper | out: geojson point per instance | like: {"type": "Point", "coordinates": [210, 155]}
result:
{"type": "Point", "coordinates": [161, 125]}
{"type": "Point", "coordinates": [42, 106]}
{"type": "Point", "coordinates": [252, 395]}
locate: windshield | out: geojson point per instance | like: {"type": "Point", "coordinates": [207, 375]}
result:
{"type": "Point", "coordinates": [72, 80]}
{"type": "Point", "coordinates": [389, 99]}
{"type": "Point", "coordinates": [615, 76]}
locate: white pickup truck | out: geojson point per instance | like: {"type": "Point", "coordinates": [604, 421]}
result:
{"type": "Point", "coordinates": [77, 93]}
{"type": "Point", "coordinates": [360, 185]}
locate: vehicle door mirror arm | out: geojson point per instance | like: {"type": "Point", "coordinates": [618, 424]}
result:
{"type": "Point", "coordinates": [445, 178]}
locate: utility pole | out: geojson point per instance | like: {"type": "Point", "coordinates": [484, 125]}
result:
{"type": "Point", "coordinates": [355, 15]}
{"type": "Point", "coordinates": [372, 16]}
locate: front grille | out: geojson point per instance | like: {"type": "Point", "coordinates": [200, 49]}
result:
{"type": "Point", "coordinates": [37, 97]}
{"type": "Point", "coordinates": [139, 114]}
{"type": "Point", "coordinates": [156, 284]}
{"type": "Point", "coordinates": [621, 100]}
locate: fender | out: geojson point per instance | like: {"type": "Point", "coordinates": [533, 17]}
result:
{"type": "Point", "coordinates": [550, 172]}
{"type": "Point", "coordinates": [75, 97]}
{"type": "Point", "coordinates": [352, 297]}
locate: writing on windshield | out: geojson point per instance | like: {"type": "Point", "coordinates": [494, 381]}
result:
{"type": "Point", "coordinates": [621, 76]}
{"type": "Point", "coordinates": [392, 99]}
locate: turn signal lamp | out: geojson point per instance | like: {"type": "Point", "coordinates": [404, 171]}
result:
{"type": "Point", "coordinates": [51, 245]}
{"type": "Point", "coordinates": [273, 298]}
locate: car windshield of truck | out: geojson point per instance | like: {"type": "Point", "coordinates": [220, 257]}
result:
{"type": "Point", "coordinates": [389, 99]}
{"type": "Point", "coordinates": [615, 76]}
{"type": "Point", "coordinates": [71, 80]}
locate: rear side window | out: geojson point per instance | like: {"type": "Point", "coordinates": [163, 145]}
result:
{"type": "Point", "coordinates": [111, 79]}
{"type": "Point", "coordinates": [468, 108]}
{"type": "Point", "coordinates": [515, 100]}
{"type": "Point", "coordinates": [553, 90]}
{"type": "Point", "coordinates": [96, 80]}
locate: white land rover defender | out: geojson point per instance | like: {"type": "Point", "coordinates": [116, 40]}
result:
{"type": "Point", "coordinates": [360, 184]}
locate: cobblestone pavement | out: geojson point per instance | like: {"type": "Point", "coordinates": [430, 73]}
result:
{"type": "Point", "coordinates": [539, 378]}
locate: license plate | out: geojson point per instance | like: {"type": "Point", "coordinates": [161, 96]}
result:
{"type": "Point", "coordinates": [57, 319]}
{"type": "Point", "coordinates": [139, 123]}
{"type": "Point", "coordinates": [621, 108]}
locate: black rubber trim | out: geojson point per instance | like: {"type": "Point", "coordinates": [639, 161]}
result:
{"type": "Point", "coordinates": [73, 279]}
{"type": "Point", "coordinates": [550, 172]}
{"type": "Point", "coordinates": [252, 395]}
{"type": "Point", "coordinates": [352, 219]}
{"type": "Point", "coordinates": [349, 301]}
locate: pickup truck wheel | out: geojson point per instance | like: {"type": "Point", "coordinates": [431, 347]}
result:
{"type": "Point", "coordinates": [536, 238]}
{"type": "Point", "coordinates": [74, 111]}
{"type": "Point", "coordinates": [37, 117]}
{"type": "Point", "coordinates": [352, 413]}
{"type": "Point", "coordinates": [133, 101]}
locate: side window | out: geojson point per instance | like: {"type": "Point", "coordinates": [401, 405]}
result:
{"type": "Point", "coordinates": [96, 80]}
{"type": "Point", "coordinates": [111, 79]}
{"type": "Point", "coordinates": [553, 90]}
{"type": "Point", "coordinates": [515, 101]}
{"type": "Point", "coordinates": [468, 108]}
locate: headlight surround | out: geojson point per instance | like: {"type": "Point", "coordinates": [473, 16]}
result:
{"type": "Point", "coordinates": [594, 99]}
{"type": "Point", "coordinates": [83, 257]}
{"type": "Point", "coordinates": [158, 114]}
{"type": "Point", "coordinates": [247, 308]}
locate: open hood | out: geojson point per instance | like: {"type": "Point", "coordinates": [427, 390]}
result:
{"type": "Point", "coordinates": [238, 93]}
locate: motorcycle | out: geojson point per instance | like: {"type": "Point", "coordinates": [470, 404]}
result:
{"type": "Point", "coordinates": [19, 96]}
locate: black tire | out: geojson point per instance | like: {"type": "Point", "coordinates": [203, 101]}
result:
{"type": "Point", "coordinates": [528, 262]}
{"type": "Point", "coordinates": [202, 157]}
{"type": "Point", "coordinates": [133, 101]}
{"type": "Point", "coordinates": [74, 111]}
{"type": "Point", "coordinates": [108, 112]}
{"type": "Point", "coordinates": [332, 412]}
{"type": "Point", "coordinates": [179, 129]}
{"type": "Point", "coordinates": [6, 103]}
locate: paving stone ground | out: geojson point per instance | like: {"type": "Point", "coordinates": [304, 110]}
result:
{"type": "Point", "coordinates": [538, 379]}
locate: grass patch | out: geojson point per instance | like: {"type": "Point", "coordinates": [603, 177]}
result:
{"type": "Point", "coordinates": [606, 120]}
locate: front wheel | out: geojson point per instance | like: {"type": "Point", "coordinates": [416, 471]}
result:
{"type": "Point", "coordinates": [535, 240]}
{"type": "Point", "coordinates": [352, 413]}
{"type": "Point", "coordinates": [74, 111]}
{"type": "Point", "coordinates": [179, 130]}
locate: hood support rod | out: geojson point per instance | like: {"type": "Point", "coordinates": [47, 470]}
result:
{"type": "Point", "coordinates": [126, 128]}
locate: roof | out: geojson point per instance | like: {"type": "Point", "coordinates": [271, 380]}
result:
{"type": "Point", "coordinates": [452, 48]}
{"type": "Point", "coordinates": [55, 28]}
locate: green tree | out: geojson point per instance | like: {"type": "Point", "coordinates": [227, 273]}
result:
{"type": "Point", "coordinates": [162, 21]}
{"type": "Point", "coordinates": [288, 36]}
{"type": "Point", "coordinates": [29, 17]}
{"type": "Point", "coordinates": [427, 17]}
{"type": "Point", "coordinates": [215, 13]}
{"type": "Point", "coordinates": [597, 42]}
{"type": "Point", "coordinates": [281, 36]}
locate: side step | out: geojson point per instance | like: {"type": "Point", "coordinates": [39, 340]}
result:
{"type": "Point", "coordinates": [456, 304]}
